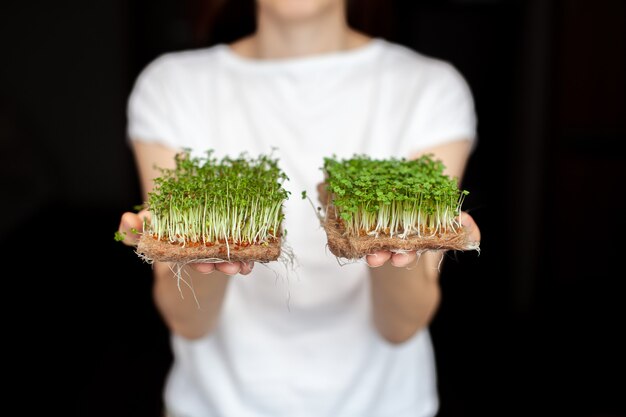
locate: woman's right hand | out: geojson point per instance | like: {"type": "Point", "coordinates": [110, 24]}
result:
{"type": "Point", "coordinates": [131, 228]}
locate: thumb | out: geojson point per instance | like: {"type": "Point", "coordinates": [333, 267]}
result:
{"type": "Point", "coordinates": [472, 229]}
{"type": "Point", "coordinates": [130, 228]}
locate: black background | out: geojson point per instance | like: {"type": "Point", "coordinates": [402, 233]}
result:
{"type": "Point", "coordinates": [530, 327]}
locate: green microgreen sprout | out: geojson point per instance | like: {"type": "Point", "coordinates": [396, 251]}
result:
{"type": "Point", "coordinates": [396, 197]}
{"type": "Point", "coordinates": [119, 236]}
{"type": "Point", "coordinates": [205, 200]}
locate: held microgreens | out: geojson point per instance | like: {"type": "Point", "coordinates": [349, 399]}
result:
{"type": "Point", "coordinates": [394, 197]}
{"type": "Point", "coordinates": [205, 201]}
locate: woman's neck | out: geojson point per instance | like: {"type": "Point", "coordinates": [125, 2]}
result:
{"type": "Point", "coordinates": [275, 39]}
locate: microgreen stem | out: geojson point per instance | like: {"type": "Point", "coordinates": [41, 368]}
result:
{"type": "Point", "coordinates": [204, 200]}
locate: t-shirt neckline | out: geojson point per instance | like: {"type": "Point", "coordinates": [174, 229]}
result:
{"type": "Point", "coordinates": [310, 61]}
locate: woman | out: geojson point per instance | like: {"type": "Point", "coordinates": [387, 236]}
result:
{"type": "Point", "coordinates": [336, 341]}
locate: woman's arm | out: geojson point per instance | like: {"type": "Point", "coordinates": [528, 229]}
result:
{"type": "Point", "coordinates": [405, 288]}
{"type": "Point", "coordinates": [188, 314]}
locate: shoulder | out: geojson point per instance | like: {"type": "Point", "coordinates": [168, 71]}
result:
{"type": "Point", "coordinates": [409, 63]}
{"type": "Point", "coordinates": [180, 66]}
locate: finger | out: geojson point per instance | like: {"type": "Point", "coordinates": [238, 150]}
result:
{"type": "Point", "coordinates": [131, 225]}
{"type": "Point", "coordinates": [378, 258]}
{"type": "Point", "coordinates": [246, 268]}
{"type": "Point", "coordinates": [322, 194]}
{"type": "Point", "coordinates": [203, 267]}
{"type": "Point", "coordinates": [467, 220]}
{"type": "Point", "coordinates": [403, 259]}
{"type": "Point", "coordinates": [229, 268]}
{"type": "Point", "coordinates": [472, 229]}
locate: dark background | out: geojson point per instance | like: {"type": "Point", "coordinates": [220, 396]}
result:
{"type": "Point", "coordinates": [530, 327]}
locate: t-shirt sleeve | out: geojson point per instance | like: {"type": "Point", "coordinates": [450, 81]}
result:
{"type": "Point", "coordinates": [149, 106]}
{"type": "Point", "coordinates": [444, 111]}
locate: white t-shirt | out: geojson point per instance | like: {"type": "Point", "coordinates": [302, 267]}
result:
{"type": "Point", "coordinates": [301, 342]}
